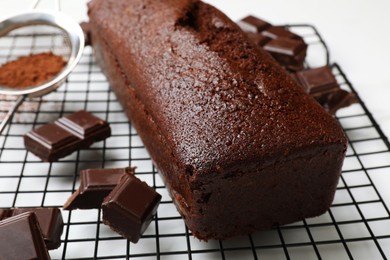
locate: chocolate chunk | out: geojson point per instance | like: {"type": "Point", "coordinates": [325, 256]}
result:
{"type": "Point", "coordinates": [275, 32]}
{"type": "Point", "coordinates": [66, 135]}
{"type": "Point", "coordinates": [50, 142]}
{"type": "Point", "coordinates": [322, 85]}
{"type": "Point", "coordinates": [83, 124]}
{"type": "Point", "coordinates": [49, 219]}
{"type": "Point", "coordinates": [341, 98]}
{"type": "Point", "coordinates": [4, 213]}
{"type": "Point", "coordinates": [95, 185]}
{"type": "Point", "coordinates": [21, 238]}
{"type": "Point", "coordinates": [289, 53]}
{"type": "Point", "coordinates": [318, 82]}
{"type": "Point", "coordinates": [130, 207]}
{"type": "Point", "coordinates": [288, 48]}
{"type": "Point", "coordinates": [258, 38]}
{"type": "Point", "coordinates": [253, 24]}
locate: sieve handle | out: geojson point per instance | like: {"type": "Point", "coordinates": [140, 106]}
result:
{"type": "Point", "coordinates": [11, 112]}
{"type": "Point", "coordinates": [56, 4]}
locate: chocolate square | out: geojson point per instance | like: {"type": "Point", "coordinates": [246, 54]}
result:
{"type": "Point", "coordinates": [274, 32]}
{"type": "Point", "coordinates": [253, 24]}
{"type": "Point", "coordinates": [66, 135]}
{"type": "Point", "coordinates": [321, 84]}
{"type": "Point", "coordinates": [339, 99]}
{"type": "Point", "coordinates": [318, 81]}
{"type": "Point", "coordinates": [82, 123]}
{"type": "Point", "coordinates": [285, 46]}
{"type": "Point", "coordinates": [288, 52]}
{"type": "Point", "coordinates": [258, 38]}
{"type": "Point", "coordinates": [5, 213]}
{"type": "Point", "coordinates": [51, 223]}
{"type": "Point", "coordinates": [130, 207]}
{"type": "Point", "coordinates": [95, 185]}
{"type": "Point", "coordinates": [21, 238]}
{"type": "Point", "coordinates": [52, 136]}
{"type": "Point", "coordinates": [50, 142]}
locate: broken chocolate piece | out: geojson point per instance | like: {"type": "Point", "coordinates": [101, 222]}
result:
{"type": "Point", "coordinates": [50, 142]}
{"type": "Point", "coordinates": [341, 98]}
{"type": "Point", "coordinates": [318, 81]}
{"type": "Point", "coordinates": [288, 52]}
{"type": "Point", "coordinates": [83, 124]}
{"type": "Point", "coordinates": [21, 238]}
{"type": "Point", "coordinates": [258, 38]}
{"type": "Point", "coordinates": [321, 84]}
{"type": "Point", "coordinates": [49, 219]}
{"type": "Point", "coordinates": [4, 213]}
{"type": "Point", "coordinates": [66, 135]}
{"type": "Point", "coordinates": [95, 185]}
{"type": "Point", "coordinates": [253, 24]}
{"type": "Point", "coordinates": [275, 32]}
{"type": "Point", "coordinates": [130, 207]}
{"type": "Point", "coordinates": [288, 48]}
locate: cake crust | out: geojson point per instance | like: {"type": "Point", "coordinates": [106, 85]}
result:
{"type": "Point", "coordinates": [238, 143]}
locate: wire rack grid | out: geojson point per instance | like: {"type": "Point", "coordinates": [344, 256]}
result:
{"type": "Point", "coordinates": [356, 226]}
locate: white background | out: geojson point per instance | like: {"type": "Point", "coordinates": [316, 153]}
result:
{"type": "Point", "coordinates": [356, 32]}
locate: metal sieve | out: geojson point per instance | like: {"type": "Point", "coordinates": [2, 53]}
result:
{"type": "Point", "coordinates": [64, 37]}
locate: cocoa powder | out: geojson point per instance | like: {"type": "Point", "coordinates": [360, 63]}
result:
{"type": "Point", "coordinates": [31, 70]}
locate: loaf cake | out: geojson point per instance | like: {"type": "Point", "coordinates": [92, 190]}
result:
{"type": "Point", "coordinates": [240, 146]}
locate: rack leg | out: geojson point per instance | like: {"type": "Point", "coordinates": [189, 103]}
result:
{"type": "Point", "coordinates": [11, 112]}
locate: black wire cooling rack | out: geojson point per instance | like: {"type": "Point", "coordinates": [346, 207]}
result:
{"type": "Point", "coordinates": [356, 226]}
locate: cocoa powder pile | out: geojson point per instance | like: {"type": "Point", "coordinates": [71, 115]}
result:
{"type": "Point", "coordinates": [31, 70]}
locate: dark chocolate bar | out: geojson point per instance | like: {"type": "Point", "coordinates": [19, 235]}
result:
{"type": "Point", "coordinates": [288, 48]}
{"type": "Point", "coordinates": [4, 213]}
{"type": "Point", "coordinates": [21, 238]}
{"type": "Point", "coordinates": [95, 185]}
{"type": "Point", "coordinates": [322, 85]}
{"type": "Point", "coordinates": [258, 38]}
{"type": "Point", "coordinates": [130, 207]}
{"type": "Point", "coordinates": [76, 131]}
{"type": "Point", "coordinates": [339, 99]}
{"type": "Point", "coordinates": [49, 219]}
{"type": "Point", "coordinates": [275, 32]}
{"type": "Point", "coordinates": [289, 52]}
{"type": "Point", "coordinates": [253, 24]}
{"type": "Point", "coordinates": [318, 81]}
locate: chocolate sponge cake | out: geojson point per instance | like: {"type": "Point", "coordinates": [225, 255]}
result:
{"type": "Point", "coordinates": [241, 147]}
